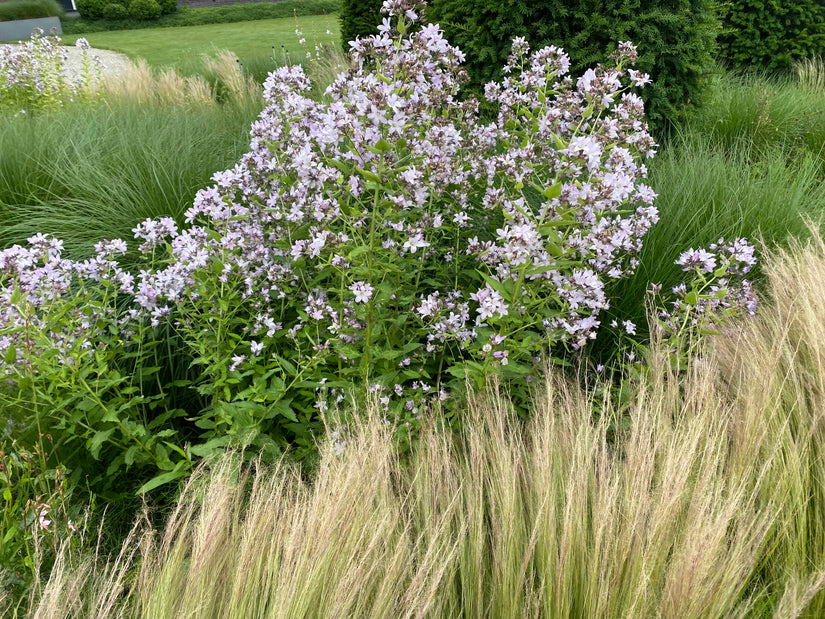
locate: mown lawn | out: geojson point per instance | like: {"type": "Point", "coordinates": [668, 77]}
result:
{"type": "Point", "coordinates": [182, 47]}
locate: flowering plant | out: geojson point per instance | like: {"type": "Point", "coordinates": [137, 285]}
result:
{"type": "Point", "coordinates": [393, 239]}
{"type": "Point", "coordinates": [78, 368]}
{"type": "Point", "coordinates": [33, 76]}
{"type": "Point", "coordinates": [390, 238]}
{"type": "Point", "coordinates": [716, 293]}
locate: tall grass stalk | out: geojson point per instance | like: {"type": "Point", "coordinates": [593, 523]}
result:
{"type": "Point", "coordinates": [709, 501]}
{"type": "Point", "coordinates": [757, 112]}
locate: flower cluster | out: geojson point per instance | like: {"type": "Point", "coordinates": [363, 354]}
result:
{"type": "Point", "coordinates": [37, 283]}
{"type": "Point", "coordinates": [716, 292]}
{"type": "Point", "coordinates": [33, 76]}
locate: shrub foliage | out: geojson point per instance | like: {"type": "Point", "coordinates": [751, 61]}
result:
{"type": "Point", "coordinates": [186, 16]}
{"type": "Point", "coordinates": [771, 35]}
{"type": "Point", "coordinates": [675, 38]}
{"type": "Point", "coordinates": [140, 10]}
{"type": "Point", "coordinates": [389, 241]}
{"type": "Point", "coordinates": [359, 18]}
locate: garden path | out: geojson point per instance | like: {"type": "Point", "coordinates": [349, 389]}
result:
{"type": "Point", "coordinates": [115, 63]}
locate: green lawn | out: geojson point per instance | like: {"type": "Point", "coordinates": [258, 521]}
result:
{"type": "Point", "coordinates": [182, 47]}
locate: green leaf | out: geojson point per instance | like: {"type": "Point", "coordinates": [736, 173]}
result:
{"type": "Point", "coordinates": [211, 446]}
{"type": "Point", "coordinates": [129, 455]}
{"type": "Point", "coordinates": [496, 285]}
{"type": "Point", "coordinates": [553, 191]}
{"type": "Point", "coordinates": [692, 298]}
{"type": "Point", "coordinates": [340, 165]}
{"type": "Point", "coordinates": [361, 249]}
{"type": "Point", "coordinates": [164, 478]}
{"type": "Point", "coordinates": [284, 409]}
{"type": "Point", "coordinates": [370, 176]}
{"type": "Point", "coordinates": [11, 355]}
{"type": "Point", "coordinates": [459, 371]}
{"type": "Point", "coordinates": [7, 495]}
{"type": "Point", "coordinates": [383, 145]}
{"type": "Point", "coordinates": [97, 441]}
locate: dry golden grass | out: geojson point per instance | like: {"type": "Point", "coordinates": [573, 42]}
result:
{"type": "Point", "coordinates": [140, 85]}
{"type": "Point", "coordinates": [810, 73]}
{"type": "Point", "coordinates": [710, 502]}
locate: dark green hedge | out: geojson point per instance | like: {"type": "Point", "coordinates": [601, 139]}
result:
{"type": "Point", "coordinates": [124, 9]}
{"type": "Point", "coordinates": [29, 9]}
{"type": "Point", "coordinates": [359, 18]}
{"type": "Point", "coordinates": [213, 15]}
{"type": "Point", "coordinates": [676, 39]}
{"type": "Point", "coordinates": [770, 34]}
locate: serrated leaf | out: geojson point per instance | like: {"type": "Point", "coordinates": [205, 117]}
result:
{"type": "Point", "coordinates": [284, 408]}
{"type": "Point", "coordinates": [210, 446]}
{"type": "Point", "coordinates": [129, 455]}
{"type": "Point", "coordinates": [97, 441]}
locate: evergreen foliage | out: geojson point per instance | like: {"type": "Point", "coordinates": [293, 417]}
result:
{"type": "Point", "coordinates": [185, 16]}
{"type": "Point", "coordinates": [130, 9]}
{"type": "Point", "coordinates": [359, 18]}
{"type": "Point", "coordinates": [675, 39]}
{"type": "Point", "coordinates": [770, 35]}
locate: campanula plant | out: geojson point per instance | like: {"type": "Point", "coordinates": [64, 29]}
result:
{"type": "Point", "coordinates": [32, 75]}
{"type": "Point", "coordinates": [393, 240]}
{"type": "Point", "coordinates": [386, 241]}
{"type": "Point", "coordinates": [390, 241]}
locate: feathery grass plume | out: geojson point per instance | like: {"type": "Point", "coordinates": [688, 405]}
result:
{"type": "Point", "coordinates": [810, 73]}
{"type": "Point", "coordinates": [777, 371]}
{"type": "Point", "coordinates": [139, 85]}
{"type": "Point", "coordinates": [170, 88]}
{"type": "Point", "coordinates": [230, 81]}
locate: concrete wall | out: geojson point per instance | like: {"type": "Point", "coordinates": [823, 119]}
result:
{"type": "Point", "coordinates": [21, 29]}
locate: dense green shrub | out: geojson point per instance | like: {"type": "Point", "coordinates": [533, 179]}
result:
{"type": "Point", "coordinates": [770, 35]}
{"type": "Point", "coordinates": [359, 18]}
{"type": "Point", "coordinates": [29, 9]}
{"type": "Point", "coordinates": [91, 9]}
{"type": "Point", "coordinates": [115, 10]}
{"type": "Point", "coordinates": [167, 6]}
{"type": "Point", "coordinates": [136, 10]}
{"type": "Point", "coordinates": [186, 16]}
{"type": "Point", "coordinates": [144, 9]}
{"type": "Point", "coordinates": [675, 38]}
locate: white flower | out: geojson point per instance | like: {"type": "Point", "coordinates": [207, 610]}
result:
{"type": "Point", "coordinates": [362, 291]}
